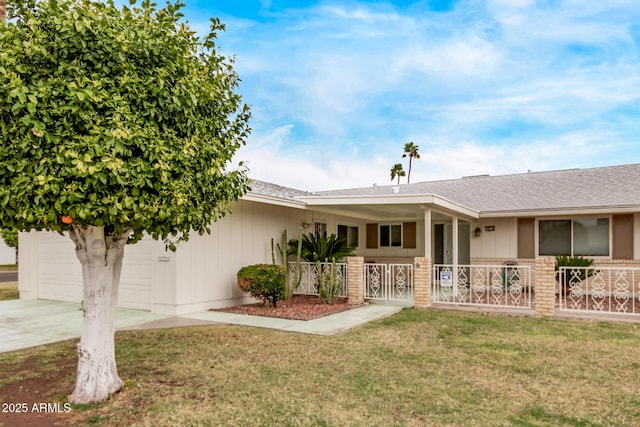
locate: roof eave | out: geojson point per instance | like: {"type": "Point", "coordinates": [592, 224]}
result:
{"type": "Point", "coordinates": [261, 198]}
{"type": "Point", "coordinates": [598, 210]}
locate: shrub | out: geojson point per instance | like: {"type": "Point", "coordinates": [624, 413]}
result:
{"type": "Point", "coordinates": [263, 281]}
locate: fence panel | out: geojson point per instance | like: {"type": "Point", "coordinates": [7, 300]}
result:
{"type": "Point", "coordinates": [607, 290]}
{"type": "Point", "coordinates": [505, 285]}
{"type": "Point", "coordinates": [309, 277]}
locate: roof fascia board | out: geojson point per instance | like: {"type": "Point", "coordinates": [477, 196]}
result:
{"type": "Point", "coordinates": [260, 198]}
{"type": "Point", "coordinates": [455, 208]}
{"type": "Point", "coordinates": [398, 199]}
{"type": "Point", "coordinates": [559, 212]}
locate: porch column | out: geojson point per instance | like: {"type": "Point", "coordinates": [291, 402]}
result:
{"type": "Point", "coordinates": [454, 245]}
{"type": "Point", "coordinates": [422, 276]}
{"type": "Point", "coordinates": [545, 287]}
{"type": "Point", "coordinates": [355, 280]}
{"type": "Point", "coordinates": [427, 233]}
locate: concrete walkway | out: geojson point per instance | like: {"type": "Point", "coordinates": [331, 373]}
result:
{"type": "Point", "coordinates": [26, 324]}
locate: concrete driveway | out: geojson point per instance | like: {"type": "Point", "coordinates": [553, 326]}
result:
{"type": "Point", "coordinates": [25, 323]}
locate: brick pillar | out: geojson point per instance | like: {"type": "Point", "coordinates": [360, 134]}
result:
{"type": "Point", "coordinates": [545, 287]}
{"type": "Point", "coordinates": [422, 275]}
{"type": "Point", "coordinates": [355, 280]}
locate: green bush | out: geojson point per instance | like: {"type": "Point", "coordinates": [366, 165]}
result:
{"type": "Point", "coordinates": [263, 281]}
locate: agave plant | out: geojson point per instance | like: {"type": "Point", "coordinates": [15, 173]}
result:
{"type": "Point", "coordinates": [321, 247]}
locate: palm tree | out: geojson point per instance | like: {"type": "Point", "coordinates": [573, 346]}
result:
{"type": "Point", "coordinates": [411, 150]}
{"type": "Point", "coordinates": [397, 171]}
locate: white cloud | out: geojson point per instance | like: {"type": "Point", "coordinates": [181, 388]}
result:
{"type": "Point", "coordinates": [560, 79]}
{"type": "Point", "coordinates": [459, 57]}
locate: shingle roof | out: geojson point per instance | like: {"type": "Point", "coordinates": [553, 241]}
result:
{"type": "Point", "coordinates": [613, 186]}
{"type": "Point", "coordinates": [273, 190]}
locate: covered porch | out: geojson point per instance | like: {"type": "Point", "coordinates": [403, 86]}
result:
{"type": "Point", "coordinates": [397, 229]}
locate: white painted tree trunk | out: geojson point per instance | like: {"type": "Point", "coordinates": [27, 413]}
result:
{"type": "Point", "coordinates": [101, 258]}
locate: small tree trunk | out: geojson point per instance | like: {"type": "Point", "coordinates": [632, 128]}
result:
{"type": "Point", "coordinates": [101, 259]}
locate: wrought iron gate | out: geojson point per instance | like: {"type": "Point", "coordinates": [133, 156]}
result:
{"type": "Point", "coordinates": [388, 282]}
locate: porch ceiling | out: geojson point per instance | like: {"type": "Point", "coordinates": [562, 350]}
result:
{"type": "Point", "coordinates": [399, 207]}
{"type": "Point", "coordinates": [385, 213]}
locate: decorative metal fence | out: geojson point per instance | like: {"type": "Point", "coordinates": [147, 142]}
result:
{"type": "Point", "coordinates": [507, 285]}
{"type": "Point", "coordinates": [607, 290]}
{"type": "Point", "coordinates": [389, 282]}
{"type": "Point", "coordinates": [309, 277]}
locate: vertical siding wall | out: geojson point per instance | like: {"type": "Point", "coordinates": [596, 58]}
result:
{"type": "Point", "coordinates": [503, 242]}
{"type": "Point", "coordinates": [200, 275]}
{"type": "Point", "coordinates": [500, 243]}
{"type": "Point", "coordinates": [206, 267]}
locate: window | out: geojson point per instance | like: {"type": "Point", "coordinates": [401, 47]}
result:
{"type": "Point", "coordinates": [349, 233]}
{"type": "Point", "coordinates": [320, 229]}
{"type": "Point", "coordinates": [577, 237]}
{"type": "Point", "coordinates": [391, 235]}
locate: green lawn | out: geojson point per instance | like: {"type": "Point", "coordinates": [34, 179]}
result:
{"type": "Point", "coordinates": [9, 290]}
{"type": "Point", "coordinates": [417, 368]}
{"type": "Point", "coordinates": [9, 267]}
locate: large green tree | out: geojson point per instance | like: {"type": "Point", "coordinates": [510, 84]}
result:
{"type": "Point", "coordinates": [114, 122]}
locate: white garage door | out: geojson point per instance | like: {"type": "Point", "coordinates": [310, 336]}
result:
{"type": "Point", "coordinates": [60, 274]}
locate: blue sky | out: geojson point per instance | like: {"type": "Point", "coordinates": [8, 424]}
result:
{"type": "Point", "coordinates": [482, 87]}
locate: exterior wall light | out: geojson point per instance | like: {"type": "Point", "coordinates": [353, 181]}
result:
{"type": "Point", "coordinates": [477, 232]}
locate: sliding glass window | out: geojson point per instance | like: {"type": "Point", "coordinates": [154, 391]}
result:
{"type": "Point", "coordinates": [577, 237]}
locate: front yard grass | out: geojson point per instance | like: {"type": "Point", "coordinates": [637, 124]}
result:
{"type": "Point", "coordinates": [9, 267]}
{"type": "Point", "coordinates": [417, 368]}
{"type": "Point", "coordinates": [9, 290]}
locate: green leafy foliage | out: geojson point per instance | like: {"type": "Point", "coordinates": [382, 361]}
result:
{"type": "Point", "coordinates": [321, 248]}
{"type": "Point", "coordinates": [263, 281]}
{"type": "Point", "coordinates": [10, 237]}
{"type": "Point", "coordinates": [116, 117]}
